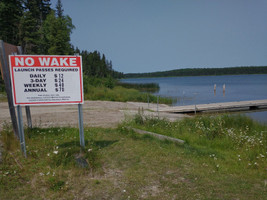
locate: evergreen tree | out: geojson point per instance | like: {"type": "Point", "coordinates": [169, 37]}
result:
{"type": "Point", "coordinates": [44, 8]}
{"type": "Point", "coordinates": [57, 31]}
{"type": "Point", "coordinates": [10, 13]}
{"type": "Point", "coordinates": [32, 38]}
{"type": "Point", "coordinates": [77, 51]}
{"type": "Point", "coordinates": [59, 9]}
{"type": "Point", "coordinates": [96, 66]}
{"type": "Point", "coordinates": [29, 33]}
{"type": "Point", "coordinates": [39, 9]}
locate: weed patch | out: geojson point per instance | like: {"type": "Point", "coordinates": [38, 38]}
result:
{"type": "Point", "coordinates": [222, 135]}
{"type": "Point", "coordinates": [55, 183]}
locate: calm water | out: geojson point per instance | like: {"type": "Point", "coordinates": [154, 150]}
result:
{"type": "Point", "coordinates": [200, 89]}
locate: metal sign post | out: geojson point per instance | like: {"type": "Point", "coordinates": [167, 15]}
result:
{"type": "Point", "coordinates": [21, 131]}
{"type": "Point", "coordinates": [28, 115]}
{"type": "Point", "coordinates": [80, 112]}
{"type": "Point", "coordinates": [5, 74]}
{"type": "Point", "coordinates": [80, 109]}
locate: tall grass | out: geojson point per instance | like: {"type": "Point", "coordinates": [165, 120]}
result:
{"type": "Point", "coordinates": [234, 139]}
{"type": "Point", "coordinates": [143, 87]}
{"type": "Point", "coordinates": [109, 89]}
{"type": "Point", "coordinates": [122, 94]}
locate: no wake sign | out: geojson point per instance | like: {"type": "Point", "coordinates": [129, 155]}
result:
{"type": "Point", "coordinates": [42, 80]}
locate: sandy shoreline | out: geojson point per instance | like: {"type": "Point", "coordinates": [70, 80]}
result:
{"type": "Point", "coordinates": [107, 114]}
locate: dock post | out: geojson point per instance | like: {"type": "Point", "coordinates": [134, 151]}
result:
{"type": "Point", "coordinates": [158, 105]}
{"type": "Point", "coordinates": [223, 89]}
{"type": "Point", "coordinates": [183, 97]}
{"type": "Point", "coordinates": [148, 101]}
{"type": "Point", "coordinates": [195, 93]}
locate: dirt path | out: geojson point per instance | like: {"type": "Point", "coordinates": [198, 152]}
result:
{"type": "Point", "coordinates": [95, 114]}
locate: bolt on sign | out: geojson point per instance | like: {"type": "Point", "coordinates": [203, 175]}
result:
{"type": "Point", "coordinates": [46, 80]}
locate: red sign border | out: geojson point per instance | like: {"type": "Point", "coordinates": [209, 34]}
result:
{"type": "Point", "coordinates": [45, 103]}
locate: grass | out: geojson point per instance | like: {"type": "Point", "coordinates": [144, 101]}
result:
{"type": "Point", "coordinates": [213, 164]}
{"type": "Point", "coordinates": [143, 87]}
{"type": "Point", "coordinates": [119, 93]}
{"type": "Point", "coordinates": [236, 137]}
{"type": "Point", "coordinates": [3, 97]}
{"type": "Point", "coordinates": [109, 89]}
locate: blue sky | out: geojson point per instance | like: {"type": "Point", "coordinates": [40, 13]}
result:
{"type": "Point", "coordinates": [158, 35]}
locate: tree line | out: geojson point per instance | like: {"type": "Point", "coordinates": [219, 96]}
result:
{"type": "Point", "coordinates": [41, 30]}
{"type": "Point", "coordinates": [202, 72]}
{"type": "Point", "coordinates": [96, 65]}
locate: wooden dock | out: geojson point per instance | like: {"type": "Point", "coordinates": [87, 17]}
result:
{"type": "Point", "coordinates": [218, 107]}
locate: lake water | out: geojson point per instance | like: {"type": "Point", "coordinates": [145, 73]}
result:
{"type": "Point", "coordinates": [200, 89]}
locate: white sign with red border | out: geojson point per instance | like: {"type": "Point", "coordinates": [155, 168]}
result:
{"type": "Point", "coordinates": [46, 80]}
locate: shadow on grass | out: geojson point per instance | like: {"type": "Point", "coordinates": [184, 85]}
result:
{"type": "Point", "coordinates": [98, 143]}
{"type": "Point", "coordinates": [51, 131]}
{"type": "Point", "coordinates": [70, 153]}
{"type": "Point", "coordinates": [201, 151]}
{"type": "Point", "coordinates": [104, 143]}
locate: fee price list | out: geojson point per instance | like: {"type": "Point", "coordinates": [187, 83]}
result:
{"type": "Point", "coordinates": [59, 82]}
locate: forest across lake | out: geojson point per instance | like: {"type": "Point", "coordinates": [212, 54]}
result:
{"type": "Point", "coordinates": [202, 72]}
